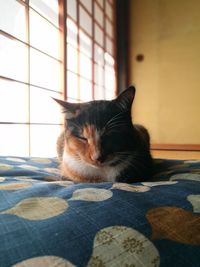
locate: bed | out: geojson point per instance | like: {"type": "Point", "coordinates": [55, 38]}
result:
{"type": "Point", "coordinates": [46, 221]}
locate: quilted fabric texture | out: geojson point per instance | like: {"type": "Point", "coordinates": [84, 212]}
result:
{"type": "Point", "coordinates": [45, 221]}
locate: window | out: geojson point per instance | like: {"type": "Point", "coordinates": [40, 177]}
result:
{"type": "Point", "coordinates": [90, 50]}
{"type": "Point", "coordinates": [58, 48]}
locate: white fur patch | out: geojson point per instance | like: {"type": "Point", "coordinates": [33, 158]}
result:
{"type": "Point", "coordinates": [107, 173]}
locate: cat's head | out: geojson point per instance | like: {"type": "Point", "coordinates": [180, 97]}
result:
{"type": "Point", "coordinates": [96, 132]}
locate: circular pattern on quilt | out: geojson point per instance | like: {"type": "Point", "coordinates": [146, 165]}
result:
{"type": "Point", "coordinates": [38, 208]}
{"type": "Point", "coordinates": [195, 201]}
{"type": "Point", "coordinates": [123, 246]}
{"type": "Point", "coordinates": [5, 167]}
{"type": "Point", "coordinates": [15, 159]}
{"type": "Point", "coordinates": [159, 183]}
{"type": "Point", "coordinates": [195, 170]}
{"type": "Point", "coordinates": [15, 186]}
{"type": "Point", "coordinates": [25, 178]}
{"type": "Point", "coordinates": [130, 188]}
{"type": "Point", "coordinates": [2, 179]}
{"type": "Point", "coordinates": [60, 183]}
{"type": "Point", "coordinates": [91, 194]}
{"type": "Point", "coordinates": [174, 224]}
{"type": "Point", "coordinates": [186, 176]}
{"type": "Point", "coordinates": [52, 170]}
{"type": "Point", "coordinates": [45, 261]}
{"type": "Point", "coordinates": [41, 160]}
{"type": "Point", "coordinates": [29, 167]}
{"type": "Point", "coordinates": [50, 178]}
{"type": "Point", "coordinates": [192, 161]}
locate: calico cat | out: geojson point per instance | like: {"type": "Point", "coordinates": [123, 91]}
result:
{"type": "Point", "coordinates": [100, 143]}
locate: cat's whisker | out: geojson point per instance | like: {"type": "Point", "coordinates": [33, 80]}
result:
{"type": "Point", "coordinates": [131, 153]}
{"type": "Point", "coordinates": [110, 129]}
{"type": "Point", "coordinates": [75, 124]}
{"type": "Point", "coordinates": [128, 163]}
{"type": "Point", "coordinates": [120, 123]}
{"type": "Point", "coordinates": [114, 129]}
{"type": "Point", "coordinates": [134, 163]}
{"type": "Point", "coordinates": [115, 117]}
{"type": "Point", "coordinates": [116, 123]}
{"type": "Point", "coordinates": [133, 156]}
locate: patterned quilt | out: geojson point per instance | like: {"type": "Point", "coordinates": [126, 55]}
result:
{"type": "Point", "coordinates": [45, 221]}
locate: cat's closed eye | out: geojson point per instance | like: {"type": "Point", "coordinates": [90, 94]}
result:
{"type": "Point", "coordinates": [82, 138]}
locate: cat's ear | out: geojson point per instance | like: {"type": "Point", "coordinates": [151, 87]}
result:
{"type": "Point", "coordinates": [125, 99]}
{"type": "Point", "coordinates": [71, 110]}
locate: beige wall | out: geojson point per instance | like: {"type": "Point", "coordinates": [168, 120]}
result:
{"type": "Point", "coordinates": [167, 33]}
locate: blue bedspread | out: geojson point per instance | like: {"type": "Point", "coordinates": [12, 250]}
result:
{"type": "Point", "coordinates": [45, 221]}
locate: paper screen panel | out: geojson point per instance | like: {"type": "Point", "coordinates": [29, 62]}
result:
{"type": "Point", "coordinates": [109, 46]}
{"type": "Point", "coordinates": [85, 90]}
{"type": "Point", "coordinates": [48, 9]}
{"type": "Point", "coordinates": [15, 22]}
{"type": "Point", "coordinates": [101, 3]}
{"type": "Point", "coordinates": [85, 67]}
{"type": "Point", "coordinates": [14, 99]}
{"type": "Point", "coordinates": [43, 109]}
{"type": "Point", "coordinates": [43, 140]}
{"type": "Point", "coordinates": [72, 86]}
{"type": "Point", "coordinates": [72, 33]}
{"type": "Point", "coordinates": [44, 71]}
{"type": "Point", "coordinates": [43, 35]}
{"type": "Point", "coordinates": [72, 8]}
{"type": "Point", "coordinates": [72, 58]}
{"type": "Point", "coordinates": [99, 93]}
{"type": "Point", "coordinates": [85, 20]}
{"type": "Point", "coordinates": [14, 59]}
{"type": "Point", "coordinates": [98, 54]}
{"type": "Point", "coordinates": [99, 75]}
{"type": "Point", "coordinates": [85, 44]}
{"type": "Point", "coordinates": [109, 10]}
{"type": "Point", "coordinates": [14, 140]}
{"type": "Point", "coordinates": [109, 28]}
{"type": "Point", "coordinates": [87, 4]}
{"type": "Point", "coordinates": [98, 35]}
{"type": "Point", "coordinates": [98, 15]}
{"type": "Point", "coordinates": [109, 81]}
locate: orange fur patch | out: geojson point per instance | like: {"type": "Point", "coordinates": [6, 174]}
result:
{"type": "Point", "coordinates": [89, 132]}
{"type": "Point", "coordinates": [84, 150]}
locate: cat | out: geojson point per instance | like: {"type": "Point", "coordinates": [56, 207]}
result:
{"type": "Point", "coordinates": [101, 144]}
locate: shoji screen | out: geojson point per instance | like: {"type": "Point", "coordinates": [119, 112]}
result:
{"type": "Point", "coordinates": [64, 49]}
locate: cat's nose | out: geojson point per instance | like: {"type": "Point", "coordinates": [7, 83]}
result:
{"type": "Point", "coordinates": [101, 159]}
{"type": "Point", "coordinates": [98, 158]}
{"type": "Point", "coordinates": [94, 156]}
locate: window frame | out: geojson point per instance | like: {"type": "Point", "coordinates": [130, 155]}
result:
{"type": "Point", "coordinates": [62, 58]}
